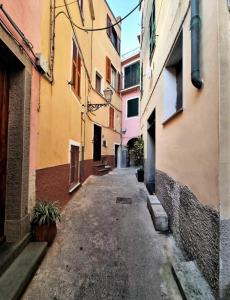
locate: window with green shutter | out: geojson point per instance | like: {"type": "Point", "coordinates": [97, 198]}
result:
{"type": "Point", "coordinates": [152, 32]}
{"type": "Point", "coordinates": [132, 75]}
{"type": "Point", "coordinates": [132, 107]}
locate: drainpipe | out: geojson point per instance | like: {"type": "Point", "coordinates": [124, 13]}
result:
{"type": "Point", "coordinates": [195, 44]}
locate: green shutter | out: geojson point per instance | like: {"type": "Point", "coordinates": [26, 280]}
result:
{"type": "Point", "coordinates": [133, 108]}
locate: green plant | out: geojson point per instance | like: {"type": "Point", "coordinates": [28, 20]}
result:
{"type": "Point", "coordinates": [45, 213]}
{"type": "Point", "coordinates": [138, 152]}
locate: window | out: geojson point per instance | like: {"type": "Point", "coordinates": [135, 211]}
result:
{"type": "Point", "coordinates": [132, 75]}
{"type": "Point", "coordinates": [112, 34]}
{"type": "Point", "coordinates": [76, 70]}
{"type": "Point", "coordinates": [152, 32]}
{"type": "Point", "coordinates": [111, 118]}
{"type": "Point", "coordinates": [133, 107]}
{"type": "Point", "coordinates": [113, 77]}
{"type": "Point", "coordinates": [98, 83]}
{"type": "Point", "coordinates": [74, 165]}
{"type": "Point", "coordinates": [173, 81]}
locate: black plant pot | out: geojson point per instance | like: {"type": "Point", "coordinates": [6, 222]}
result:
{"type": "Point", "coordinates": [140, 175]}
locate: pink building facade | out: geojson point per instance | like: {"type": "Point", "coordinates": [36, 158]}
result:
{"type": "Point", "coordinates": [19, 103]}
{"type": "Point", "coordinates": [130, 101]}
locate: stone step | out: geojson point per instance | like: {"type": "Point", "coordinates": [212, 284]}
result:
{"type": "Point", "coordinates": [9, 251]}
{"type": "Point", "coordinates": [191, 282]}
{"type": "Point", "coordinates": [158, 214]}
{"type": "Point", "coordinates": [103, 170]}
{"type": "Point", "coordinates": [18, 275]}
{"type": "Point", "coordinates": [99, 165]}
{"type": "Point", "coordinates": [169, 287]}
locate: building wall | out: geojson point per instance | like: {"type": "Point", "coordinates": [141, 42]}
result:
{"type": "Point", "coordinates": [186, 146]}
{"type": "Point", "coordinates": [132, 125]}
{"type": "Point", "coordinates": [24, 85]}
{"type": "Point", "coordinates": [63, 116]}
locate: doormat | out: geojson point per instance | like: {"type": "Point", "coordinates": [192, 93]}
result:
{"type": "Point", "coordinates": [123, 200]}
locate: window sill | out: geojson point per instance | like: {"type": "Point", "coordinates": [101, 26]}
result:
{"type": "Point", "coordinates": [75, 95]}
{"type": "Point", "coordinates": [172, 116]}
{"type": "Point", "coordinates": [73, 187]}
{"type": "Point", "coordinates": [130, 87]}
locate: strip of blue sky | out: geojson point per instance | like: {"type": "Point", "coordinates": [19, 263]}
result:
{"type": "Point", "coordinates": [131, 27]}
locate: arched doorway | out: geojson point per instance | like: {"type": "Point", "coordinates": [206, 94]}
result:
{"type": "Point", "coordinates": [130, 158]}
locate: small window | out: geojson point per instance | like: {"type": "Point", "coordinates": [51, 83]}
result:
{"type": "Point", "coordinates": [173, 82]}
{"type": "Point", "coordinates": [74, 165]}
{"type": "Point", "coordinates": [111, 118]}
{"type": "Point", "coordinates": [98, 83]}
{"type": "Point", "coordinates": [132, 75]}
{"type": "Point", "coordinates": [133, 108]}
{"type": "Point", "coordinates": [76, 70]}
{"type": "Point", "coordinates": [112, 34]}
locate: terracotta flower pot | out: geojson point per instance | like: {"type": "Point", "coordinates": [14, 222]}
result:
{"type": "Point", "coordinates": [45, 233]}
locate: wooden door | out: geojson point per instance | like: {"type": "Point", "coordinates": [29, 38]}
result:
{"type": "Point", "coordinates": [4, 106]}
{"type": "Point", "coordinates": [74, 165]}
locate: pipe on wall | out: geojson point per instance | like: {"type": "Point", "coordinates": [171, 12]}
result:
{"type": "Point", "coordinates": [195, 44]}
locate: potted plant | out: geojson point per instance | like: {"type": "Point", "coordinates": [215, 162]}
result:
{"type": "Point", "coordinates": [138, 153]}
{"type": "Point", "coordinates": [44, 217]}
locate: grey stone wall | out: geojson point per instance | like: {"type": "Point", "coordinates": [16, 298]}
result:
{"type": "Point", "coordinates": [195, 226]}
{"type": "Point", "coordinates": [224, 259]}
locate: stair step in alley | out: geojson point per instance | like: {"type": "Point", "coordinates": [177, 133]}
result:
{"type": "Point", "coordinates": [190, 281]}
{"type": "Point", "coordinates": [9, 251]}
{"type": "Point", "coordinates": [15, 279]}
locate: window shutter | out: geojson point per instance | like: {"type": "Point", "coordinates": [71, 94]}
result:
{"type": "Point", "coordinates": [74, 65]}
{"type": "Point", "coordinates": [119, 82]}
{"type": "Point", "coordinates": [78, 91]}
{"type": "Point", "coordinates": [111, 118]}
{"type": "Point", "coordinates": [108, 70]}
{"type": "Point", "coordinates": [109, 23]}
{"type": "Point", "coordinates": [118, 45]}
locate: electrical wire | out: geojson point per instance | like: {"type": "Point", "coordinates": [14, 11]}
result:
{"type": "Point", "coordinates": [59, 6]}
{"type": "Point", "coordinates": [103, 28]}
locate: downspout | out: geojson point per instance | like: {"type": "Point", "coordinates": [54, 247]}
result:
{"type": "Point", "coordinates": [195, 44]}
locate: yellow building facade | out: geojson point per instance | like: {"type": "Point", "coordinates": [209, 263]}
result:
{"type": "Point", "coordinates": [73, 140]}
{"type": "Point", "coordinates": [184, 113]}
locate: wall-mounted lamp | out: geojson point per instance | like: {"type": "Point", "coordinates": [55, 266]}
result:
{"type": "Point", "coordinates": [108, 98]}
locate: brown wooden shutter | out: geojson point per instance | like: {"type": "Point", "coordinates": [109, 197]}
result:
{"type": "Point", "coordinates": [119, 82]}
{"type": "Point", "coordinates": [108, 70]}
{"type": "Point", "coordinates": [78, 91]}
{"type": "Point", "coordinates": [74, 66]}
{"type": "Point", "coordinates": [111, 117]}
{"type": "Point", "coordinates": [108, 24]}
{"type": "Point", "coordinates": [118, 45]}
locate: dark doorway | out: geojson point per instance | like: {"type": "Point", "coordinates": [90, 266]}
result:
{"type": "Point", "coordinates": [97, 143]}
{"type": "Point", "coordinates": [4, 107]}
{"type": "Point", "coordinates": [116, 153]}
{"type": "Point", "coordinates": [150, 164]}
{"type": "Point", "coordinates": [131, 158]}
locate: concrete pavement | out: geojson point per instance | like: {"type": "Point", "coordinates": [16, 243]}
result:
{"type": "Point", "coordinates": [104, 249]}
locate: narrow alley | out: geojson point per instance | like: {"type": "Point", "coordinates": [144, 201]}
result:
{"type": "Point", "coordinates": [104, 249]}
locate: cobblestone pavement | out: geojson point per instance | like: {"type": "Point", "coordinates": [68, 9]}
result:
{"type": "Point", "coordinates": [103, 249]}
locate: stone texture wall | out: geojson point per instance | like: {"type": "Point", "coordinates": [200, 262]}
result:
{"type": "Point", "coordinates": [195, 226]}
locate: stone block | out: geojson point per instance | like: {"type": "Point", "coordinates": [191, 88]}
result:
{"type": "Point", "coordinates": [153, 200]}
{"type": "Point", "coordinates": [160, 218]}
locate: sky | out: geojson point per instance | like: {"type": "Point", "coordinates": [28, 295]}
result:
{"type": "Point", "coordinates": [131, 26]}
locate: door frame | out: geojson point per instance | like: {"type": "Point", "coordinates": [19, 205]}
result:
{"type": "Point", "coordinates": [5, 113]}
